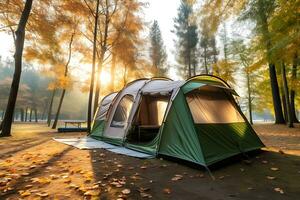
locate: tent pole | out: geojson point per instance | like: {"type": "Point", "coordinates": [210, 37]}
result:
{"type": "Point", "coordinates": [210, 174]}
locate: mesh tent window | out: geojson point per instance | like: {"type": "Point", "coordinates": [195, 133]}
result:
{"type": "Point", "coordinates": [210, 104]}
{"type": "Point", "coordinates": [122, 112]}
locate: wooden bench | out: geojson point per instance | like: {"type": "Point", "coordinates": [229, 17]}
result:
{"type": "Point", "coordinates": [74, 123]}
{"type": "Point", "coordinates": [76, 126]}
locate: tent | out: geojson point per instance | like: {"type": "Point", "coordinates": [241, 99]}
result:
{"type": "Point", "coordinates": [196, 120]}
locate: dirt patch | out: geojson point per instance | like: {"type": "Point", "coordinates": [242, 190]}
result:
{"type": "Point", "coordinates": [33, 166]}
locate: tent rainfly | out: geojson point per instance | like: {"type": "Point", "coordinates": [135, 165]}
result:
{"type": "Point", "coordinates": [197, 120]}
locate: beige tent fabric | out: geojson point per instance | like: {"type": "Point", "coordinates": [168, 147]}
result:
{"type": "Point", "coordinates": [152, 110]}
{"type": "Point", "coordinates": [104, 106]}
{"type": "Point", "coordinates": [113, 130]}
{"type": "Point", "coordinates": [212, 105]}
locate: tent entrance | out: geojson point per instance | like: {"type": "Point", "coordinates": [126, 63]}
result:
{"type": "Point", "coordinates": [148, 118]}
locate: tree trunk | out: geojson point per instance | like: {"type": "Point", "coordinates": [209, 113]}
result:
{"type": "Point", "coordinates": [205, 60]}
{"type": "Point", "coordinates": [50, 108]}
{"type": "Point", "coordinates": [189, 64]}
{"type": "Point", "coordinates": [3, 112]}
{"type": "Point", "coordinates": [26, 114]}
{"type": "Point", "coordinates": [112, 72]}
{"type": "Point", "coordinates": [283, 97]}
{"type": "Point", "coordinates": [36, 115]}
{"type": "Point", "coordinates": [124, 75]}
{"type": "Point", "coordinates": [30, 115]}
{"type": "Point", "coordinates": [19, 45]}
{"type": "Point", "coordinates": [98, 83]}
{"type": "Point", "coordinates": [293, 92]}
{"type": "Point", "coordinates": [276, 95]}
{"type": "Point", "coordinates": [22, 114]}
{"type": "Point", "coordinates": [286, 93]}
{"type": "Point", "coordinates": [249, 98]}
{"type": "Point", "coordinates": [101, 58]}
{"type": "Point", "coordinates": [264, 26]}
{"type": "Point", "coordinates": [90, 102]}
{"type": "Point", "coordinates": [58, 109]}
{"type": "Point", "coordinates": [66, 74]}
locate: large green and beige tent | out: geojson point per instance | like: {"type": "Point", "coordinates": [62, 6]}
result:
{"type": "Point", "coordinates": [196, 120]}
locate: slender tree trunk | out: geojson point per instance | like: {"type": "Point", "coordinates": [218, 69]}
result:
{"type": "Point", "coordinates": [215, 52]}
{"type": "Point", "coordinates": [205, 60]}
{"type": "Point", "coordinates": [5, 126]}
{"type": "Point", "coordinates": [3, 112]}
{"type": "Point", "coordinates": [26, 114]}
{"type": "Point", "coordinates": [30, 115]}
{"type": "Point", "coordinates": [90, 102]}
{"type": "Point", "coordinates": [194, 67]}
{"type": "Point", "coordinates": [124, 75]}
{"type": "Point", "coordinates": [249, 98]}
{"type": "Point", "coordinates": [283, 97]}
{"type": "Point", "coordinates": [293, 92]}
{"type": "Point", "coordinates": [50, 107]}
{"type": "Point", "coordinates": [97, 89]}
{"type": "Point", "coordinates": [189, 64]}
{"type": "Point", "coordinates": [112, 72]}
{"type": "Point", "coordinates": [35, 115]}
{"type": "Point", "coordinates": [286, 93]}
{"type": "Point", "coordinates": [58, 109]}
{"type": "Point", "coordinates": [100, 62]}
{"type": "Point", "coordinates": [64, 90]}
{"type": "Point", "coordinates": [281, 91]}
{"type": "Point", "coordinates": [22, 114]}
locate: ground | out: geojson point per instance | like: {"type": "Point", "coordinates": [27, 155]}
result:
{"type": "Point", "coordinates": [33, 166]}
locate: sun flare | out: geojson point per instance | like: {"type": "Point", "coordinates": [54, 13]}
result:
{"type": "Point", "coordinates": [105, 78]}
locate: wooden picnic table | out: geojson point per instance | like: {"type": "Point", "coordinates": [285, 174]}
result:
{"type": "Point", "coordinates": [75, 123]}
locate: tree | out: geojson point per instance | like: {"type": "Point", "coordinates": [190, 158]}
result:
{"type": "Point", "coordinates": [226, 67]}
{"type": "Point", "coordinates": [19, 45]}
{"type": "Point", "coordinates": [158, 53]}
{"type": "Point", "coordinates": [90, 102]}
{"type": "Point", "coordinates": [244, 57]}
{"type": "Point", "coordinates": [289, 117]}
{"type": "Point", "coordinates": [65, 76]}
{"type": "Point", "coordinates": [187, 38]}
{"type": "Point", "coordinates": [260, 11]}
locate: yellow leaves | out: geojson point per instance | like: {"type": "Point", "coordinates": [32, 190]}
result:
{"type": "Point", "coordinates": [225, 69]}
{"type": "Point", "coordinates": [42, 180]}
{"type": "Point", "coordinates": [91, 193]}
{"type": "Point", "coordinates": [24, 193]}
{"type": "Point", "coordinates": [42, 194]}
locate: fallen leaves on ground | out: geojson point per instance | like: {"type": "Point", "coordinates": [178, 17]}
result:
{"type": "Point", "coordinates": [167, 191]}
{"type": "Point", "coordinates": [24, 193]}
{"type": "Point", "coordinates": [277, 189]}
{"type": "Point", "coordinates": [42, 180]}
{"type": "Point", "coordinates": [271, 177]}
{"type": "Point", "coordinates": [177, 177]}
{"type": "Point", "coordinates": [274, 169]}
{"type": "Point", "coordinates": [126, 191]}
